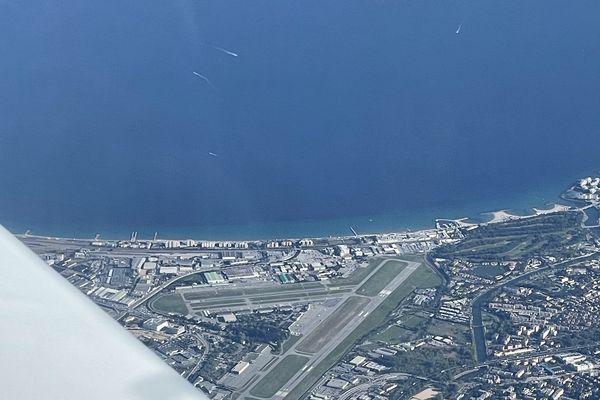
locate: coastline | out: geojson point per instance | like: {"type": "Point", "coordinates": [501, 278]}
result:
{"type": "Point", "coordinates": [337, 228]}
{"type": "Point", "coordinates": [538, 198]}
{"type": "Point", "coordinates": [506, 215]}
{"type": "Point", "coordinates": [549, 198]}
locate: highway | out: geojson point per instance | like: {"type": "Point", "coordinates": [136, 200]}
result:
{"type": "Point", "coordinates": [162, 287]}
{"type": "Point", "coordinates": [205, 351]}
{"type": "Point", "coordinates": [381, 379]}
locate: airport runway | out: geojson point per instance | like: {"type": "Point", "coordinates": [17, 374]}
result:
{"type": "Point", "coordinates": [341, 334]}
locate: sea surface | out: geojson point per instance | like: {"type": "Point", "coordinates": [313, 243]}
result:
{"type": "Point", "coordinates": [303, 118]}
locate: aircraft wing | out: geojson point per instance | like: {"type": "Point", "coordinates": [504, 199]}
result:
{"type": "Point", "coordinates": [56, 344]}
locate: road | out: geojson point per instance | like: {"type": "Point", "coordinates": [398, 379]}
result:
{"type": "Point", "coordinates": [205, 351]}
{"type": "Point", "coordinates": [351, 394]}
{"type": "Point", "coordinates": [586, 217]}
{"type": "Point", "coordinates": [162, 287]}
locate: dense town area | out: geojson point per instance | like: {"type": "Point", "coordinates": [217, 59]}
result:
{"type": "Point", "coordinates": [504, 309]}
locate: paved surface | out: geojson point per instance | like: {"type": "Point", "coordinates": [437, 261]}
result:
{"type": "Point", "coordinates": [355, 391]}
{"type": "Point", "coordinates": [257, 300]}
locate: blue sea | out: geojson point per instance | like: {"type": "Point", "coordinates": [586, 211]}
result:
{"type": "Point", "coordinates": [303, 117]}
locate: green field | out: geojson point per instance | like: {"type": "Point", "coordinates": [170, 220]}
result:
{"type": "Point", "coordinates": [284, 296]}
{"type": "Point", "coordinates": [278, 376]}
{"type": "Point", "coordinates": [488, 271]}
{"type": "Point", "coordinates": [286, 300]}
{"type": "Point", "coordinates": [290, 342]}
{"type": "Point", "coordinates": [423, 277]}
{"type": "Point", "coordinates": [309, 294]}
{"type": "Point", "coordinates": [201, 294]}
{"type": "Point", "coordinates": [213, 302]}
{"type": "Point", "coordinates": [381, 278]}
{"type": "Point", "coordinates": [170, 303]}
{"type": "Point", "coordinates": [412, 321]}
{"type": "Point", "coordinates": [393, 335]}
{"type": "Point", "coordinates": [282, 288]}
{"type": "Point", "coordinates": [206, 293]}
{"type": "Point", "coordinates": [517, 239]}
{"type": "Point", "coordinates": [334, 323]}
{"type": "Point", "coordinates": [199, 307]}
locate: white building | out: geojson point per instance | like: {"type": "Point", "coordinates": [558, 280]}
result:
{"type": "Point", "coordinates": [240, 367]}
{"type": "Point", "coordinates": [155, 324]}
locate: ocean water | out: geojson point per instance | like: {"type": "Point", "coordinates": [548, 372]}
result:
{"type": "Point", "coordinates": [374, 114]}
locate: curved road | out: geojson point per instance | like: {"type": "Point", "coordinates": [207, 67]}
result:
{"type": "Point", "coordinates": [350, 394]}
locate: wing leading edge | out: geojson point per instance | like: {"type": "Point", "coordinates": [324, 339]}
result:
{"type": "Point", "coordinates": [56, 344]}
